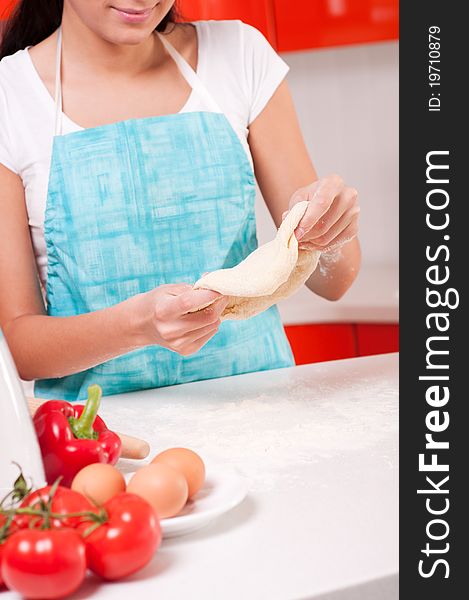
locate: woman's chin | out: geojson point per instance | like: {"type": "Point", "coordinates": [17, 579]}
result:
{"type": "Point", "coordinates": [118, 29]}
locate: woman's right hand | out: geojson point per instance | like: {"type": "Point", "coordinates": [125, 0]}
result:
{"type": "Point", "coordinates": [171, 316]}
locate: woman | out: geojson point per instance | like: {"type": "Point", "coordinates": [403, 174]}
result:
{"type": "Point", "coordinates": [128, 147]}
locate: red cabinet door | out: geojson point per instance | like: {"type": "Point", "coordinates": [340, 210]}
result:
{"type": "Point", "coordinates": [317, 23]}
{"type": "Point", "coordinates": [259, 13]}
{"type": "Point", "coordinates": [321, 342]}
{"type": "Point", "coordinates": [377, 338]}
{"type": "Point", "coordinates": [296, 25]}
{"type": "Point", "coordinates": [6, 6]}
{"type": "Point", "coordinates": [331, 341]}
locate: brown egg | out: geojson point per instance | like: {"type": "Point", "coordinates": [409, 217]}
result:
{"type": "Point", "coordinates": [99, 482]}
{"type": "Point", "coordinates": [162, 486]}
{"type": "Point", "coordinates": [186, 462]}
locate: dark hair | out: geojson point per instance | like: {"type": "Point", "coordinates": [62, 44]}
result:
{"type": "Point", "coordinates": [34, 20]}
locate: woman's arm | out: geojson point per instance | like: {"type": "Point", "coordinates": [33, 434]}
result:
{"type": "Point", "coordinates": [286, 176]}
{"type": "Point", "coordinates": [45, 347]}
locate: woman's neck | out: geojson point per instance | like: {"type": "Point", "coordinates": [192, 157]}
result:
{"type": "Point", "coordinates": [95, 54]}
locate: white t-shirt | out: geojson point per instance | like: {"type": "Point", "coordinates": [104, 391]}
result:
{"type": "Point", "coordinates": [235, 62]}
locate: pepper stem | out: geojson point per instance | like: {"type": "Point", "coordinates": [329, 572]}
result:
{"type": "Point", "coordinates": [83, 426]}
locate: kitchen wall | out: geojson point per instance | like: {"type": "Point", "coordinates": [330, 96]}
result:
{"type": "Point", "coordinates": [347, 101]}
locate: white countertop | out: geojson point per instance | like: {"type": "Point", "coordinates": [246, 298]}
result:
{"type": "Point", "coordinates": [319, 444]}
{"type": "Point", "coordinates": [373, 298]}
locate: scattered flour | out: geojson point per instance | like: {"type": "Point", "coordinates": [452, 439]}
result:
{"type": "Point", "coordinates": [269, 435]}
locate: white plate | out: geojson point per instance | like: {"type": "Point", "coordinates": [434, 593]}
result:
{"type": "Point", "coordinates": [223, 490]}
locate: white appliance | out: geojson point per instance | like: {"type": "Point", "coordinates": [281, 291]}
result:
{"type": "Point", "coordinates": [18, 440]}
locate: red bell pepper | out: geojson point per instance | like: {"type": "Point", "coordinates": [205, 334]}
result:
{"type": "Point", "coordinates": [73, 436]}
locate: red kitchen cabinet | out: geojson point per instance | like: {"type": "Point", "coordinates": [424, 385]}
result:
{"type": "Point", "coordinates": [6, 6]}
{"type": "Point", "coordinates": [259, 13]}
{"type": "Point", "coordinates": [308, 24]}
{"type": "Point", "coordinates": [299, 25]}
{"type": "Point", "coordinates": [330, 341]}
{"type": "Point", "coordinates": [317, 343]}
{"type": "Point", "coordinates": [377, 338]}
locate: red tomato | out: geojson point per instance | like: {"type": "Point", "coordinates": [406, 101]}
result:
{"type": "Point", "coordinates": [64, 501]}
{"type": "Point", "coordinates": [49, 563]}
{"type": "Point", "coordinates": [127, 541]}
{"type": "Point", "coordinates": [1, 557]}
{"type": "Point", "coordinates": [4, 533]}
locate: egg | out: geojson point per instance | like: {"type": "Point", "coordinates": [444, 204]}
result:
{"type": "Point", "coordinates": [161, 486]}
{"type": "Point", "coordinates": [186, 462]}
{"type": "Point", "coordinates": [99, 482]}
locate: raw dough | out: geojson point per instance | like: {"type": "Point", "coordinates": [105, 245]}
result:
{"type": "Point", "coordinates": [269, 274]}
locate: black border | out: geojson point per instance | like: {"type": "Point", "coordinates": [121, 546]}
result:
{"type": "Point", "coordinates": [422, 131]}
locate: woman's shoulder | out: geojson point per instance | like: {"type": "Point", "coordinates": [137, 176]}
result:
{"type": "Point", "coordinates": [20, 82]}
{"type": "Point", "coordinates": [17, 79]}
{"type": "Point", "coordinates": [12, 73]}
{"type": "Point", "coordinates": [21, 102]}
{"type": "Point", "coordinates": [232, 43]}
{"type": "Point", "coordinates": [11, 66]}
{"type": "Point", "coordinates": [229, 31]}
{"type": "Point", "coordinates": [220, 41]}
{"type": "Point", "coordinates": [10, 99]}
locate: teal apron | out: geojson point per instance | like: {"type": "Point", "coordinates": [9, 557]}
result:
{"type": "Point", "coordinates": [145, 202]}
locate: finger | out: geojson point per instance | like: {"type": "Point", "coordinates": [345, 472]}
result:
{"type": "Point", "coordinates": [304, 193]}
{"type": "Point", "coordinates": [192, 337]}
{"type": "Point", "coordinates": [344, 237]}
{"type": "Point", "coordinates": [308, 246]}
{"type": "Point", "coordinates": [346, 200]}
{"type": "Point", "coordinates": [190, 344]}
{"type": "Point", "coordinates": [205, 316]}
{"type": "Point", "coordinates": [172, 305]}
{"type": "Point", "coordinates": [320, 203]}
{"type": "Point", "coordinates": [212, 329]}
{"type": "Point", "coordinates": [325, 222]}
{"type": "Point", "coordinates": [200, 343]}
{"type": "Point", "coordinates": [174, 289]}
{"type": "Point", "coordinates": [337, 228]}
{"type": "Point", "coordinates": [181, 331]}
{"type": "Point", "coordinates": [328, 238]}
{"type": "Point", "coordinates": [193, 300]}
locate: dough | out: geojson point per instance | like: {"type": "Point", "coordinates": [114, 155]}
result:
{"type": "Point", "coordinates": [271, 273]}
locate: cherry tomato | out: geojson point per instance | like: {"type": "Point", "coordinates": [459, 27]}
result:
{"type": "Point", "coordinates": [64, 501]}
{"type": "Point", "coordinates": [127, 541]}
{"type": "Point", "coordinates": [49, 563]}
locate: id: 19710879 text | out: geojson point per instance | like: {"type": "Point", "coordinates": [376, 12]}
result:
{"type": "Point", "coordinates": [434, 75]}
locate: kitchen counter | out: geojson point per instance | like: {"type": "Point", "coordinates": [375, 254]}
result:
{"type": "Point", "coordinates": [319, 446]}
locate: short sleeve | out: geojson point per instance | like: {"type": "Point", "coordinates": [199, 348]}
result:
{"type": "Point", "coordinates": [6, 157]}
{"type": "Point", "coordinates": [264, 69]}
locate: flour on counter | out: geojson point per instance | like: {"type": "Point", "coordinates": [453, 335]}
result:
{"type": "Point", "coordinates": [267, 436]}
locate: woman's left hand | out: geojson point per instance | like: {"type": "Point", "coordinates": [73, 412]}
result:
{"type": "Point", "coordinates": [331, 219]}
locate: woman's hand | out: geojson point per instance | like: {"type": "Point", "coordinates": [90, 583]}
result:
{"type": "Point", "coordinates": [331, 219]}
{"type": "Point", "coordinates": [282, 165]}
{"type": "Point", "coordinates": [173, 316]}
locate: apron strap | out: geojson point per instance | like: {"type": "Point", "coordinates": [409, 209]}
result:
{"type": "Point", "coordinates": [190, 75]}
{"type": "Point", "coordinates": [58, 85]}
{"type": "Point", "coordinates": [186, 70]}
